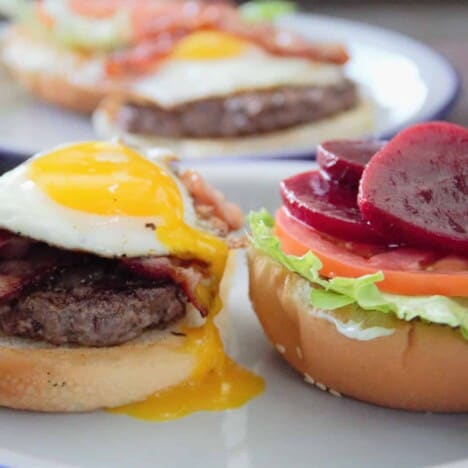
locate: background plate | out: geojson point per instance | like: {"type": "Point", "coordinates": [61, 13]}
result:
{"type": "Point", "coordinates": [408, 81]}
{"type": "Point", "coordinates": [291, 425]}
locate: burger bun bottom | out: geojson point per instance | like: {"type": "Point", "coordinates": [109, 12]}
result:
{"type": "Point", "coordinates": [420, 367]}
{"type": "Point", "coordinates": [353, 123]}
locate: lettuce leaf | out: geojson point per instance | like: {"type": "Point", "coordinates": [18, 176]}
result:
{"type": "Point", "coordinates": [363, 291]}
{"type": "Point", "coordinates": [70, 29]}
{"type": "Point", "coordinates": [266, 10]}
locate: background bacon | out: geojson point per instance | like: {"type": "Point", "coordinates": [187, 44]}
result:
{"type": "Point", "coordinates": [158, 26]}
{"type": "Point", "coordinates": [144, 55]}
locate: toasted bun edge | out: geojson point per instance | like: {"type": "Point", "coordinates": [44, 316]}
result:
{"type": "Point", "coordinates": [420, 367]}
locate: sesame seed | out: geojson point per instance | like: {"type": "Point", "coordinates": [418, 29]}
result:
{"type": "Point", "coordinates": [309, 379]}
{"type": "Point", "coordinates": [281, 348]}
{"type": "Point", "coordinates": [321, 386]}
{"type": "Point", "coordinates": [334, 393]}
{"type": "Point", "coordinates": [299, 352]}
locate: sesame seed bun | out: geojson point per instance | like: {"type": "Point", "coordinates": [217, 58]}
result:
{"type": "Point", "coordinates": [59, 76]}
{"type": "Point", "coordinates": [355, 122]}
{"type": "Point", "coordinates": [420, 367]}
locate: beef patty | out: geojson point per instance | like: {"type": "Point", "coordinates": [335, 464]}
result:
{"type": "Point", "coordinates": [242, 114]}
{"type": "Point", "coordinates": [92, 304]}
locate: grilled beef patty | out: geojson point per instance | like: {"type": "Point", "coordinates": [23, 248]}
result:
{"type": "Point", "coordinates": [242, 114]}
{"type": "Point", "coordinates": [92, 304]}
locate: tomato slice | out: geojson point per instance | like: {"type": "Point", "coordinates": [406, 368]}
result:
{"type": "Point", "coordinates": [407, 271]}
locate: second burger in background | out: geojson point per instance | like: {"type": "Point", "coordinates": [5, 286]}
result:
{"type": "Point", "coordinates": [214, 83]}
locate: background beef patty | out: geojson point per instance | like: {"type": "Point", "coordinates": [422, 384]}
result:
{"type": "Point", "coordinates": [242, 114]}
{"type": "Point", "coordinates": [94, 304]}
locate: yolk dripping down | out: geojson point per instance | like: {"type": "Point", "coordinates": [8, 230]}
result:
{"type": "Point", "coordinates": [209, 45]}
{"type": "Point", "coordinates": [110, 179]}
{"type": "Point", "coordinates": [217, 382]}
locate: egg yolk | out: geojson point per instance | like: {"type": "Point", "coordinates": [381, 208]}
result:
{"type": "Point", "coordinates": [110, 179]}
{"type": "Point", "coordinates": [217, 382]}
{"type": "Point", "coordinates": [209, 45]}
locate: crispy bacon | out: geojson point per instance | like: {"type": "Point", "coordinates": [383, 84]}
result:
{"type": "Point", "coordinates": [188, 274]}
{"type": "Point", "coordinates": [175, 19]}
{"type": "Point", "coordinates": [210, 201]}
{"type": "Point", "coordinates": [145, 55]}
{"type": "Point", "coordinates": [18, 269]}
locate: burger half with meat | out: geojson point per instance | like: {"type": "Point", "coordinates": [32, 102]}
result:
{"type": "Point", "coordinates": [110, 271]}
{"type": "Point", "coordinates": [233, 87]}
{"type": "Point", "coordinates": [361, 278]}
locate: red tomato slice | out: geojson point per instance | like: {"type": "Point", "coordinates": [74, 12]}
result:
{"type": "Point", "coordinates": [407, 271]}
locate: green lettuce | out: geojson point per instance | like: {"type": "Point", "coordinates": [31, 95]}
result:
{"type": "Point", "coordinates": [70, 29]}
{"type": "Point", "coordinates": [266, 10]}
{"type": "Point", "coordinates": [363, 291]}
{"type": "Point", "coordinates": [95, 34]}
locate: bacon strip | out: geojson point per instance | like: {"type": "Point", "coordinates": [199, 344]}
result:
{"type": "Point", "coordinates": [18, 272]}
{"type": "Point", "coordinates": [22, 268]}
{"type": "Point", "coordinates": [144, 55]}
{"type": "Point", "coordinates": [187, 274]}
{"type": "Point", "coordinates": [175, 19]}
{"type": "Point", "coordinates": [205, 195]}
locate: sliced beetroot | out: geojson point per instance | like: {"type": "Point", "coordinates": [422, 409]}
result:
{"type": "Point", "coordinates": [345, 160]}
{"type": "Point", "coordinates": [326, 206]}
{"type": "Point", "coordinates": [416, 188]}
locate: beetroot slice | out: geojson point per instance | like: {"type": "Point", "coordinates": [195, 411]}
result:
{"type": "Point", "coordinates": [326, 206]}
{"type": "Point", "coordinates": [345, 160]}
{"type": "Point", "coordinates": [416, 188]}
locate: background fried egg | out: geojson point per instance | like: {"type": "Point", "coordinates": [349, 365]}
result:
{"type": "Point", "coordinates": [212, 63]}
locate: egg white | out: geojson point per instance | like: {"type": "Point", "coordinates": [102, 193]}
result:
{"type": "Point", "coordinates": [26, 210]}
{"type": "Point", "coordinates": [177, 81]}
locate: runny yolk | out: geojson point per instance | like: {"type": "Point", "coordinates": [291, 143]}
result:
{"type": "Point", "coordinates": [110, 179]}
{"type": "Point", "coordinates": [209, 45]}
{"type": "Point", "coordinates": [217, 382]}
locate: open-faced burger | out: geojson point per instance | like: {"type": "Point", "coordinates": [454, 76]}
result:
{"type": "Point", "coordinates": [361, 279]}
{"type": "Point", "coordinates": [110, 271]}
{"type": "Point", "coordinates": [213, 83]}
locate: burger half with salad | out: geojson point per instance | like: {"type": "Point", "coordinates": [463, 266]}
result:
{"type": "Point", "coordinates": [361, 277]}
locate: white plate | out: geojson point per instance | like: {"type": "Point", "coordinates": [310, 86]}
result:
{"type": "Point", "coordinates": [408, 81]}
{"type": "Point", "coordinates": [291, 425]}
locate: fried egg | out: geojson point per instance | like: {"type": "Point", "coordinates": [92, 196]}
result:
{"type": "Point", "coordinates": [213, 63]}
{"type": "Point", "coordinates": [106, 199]}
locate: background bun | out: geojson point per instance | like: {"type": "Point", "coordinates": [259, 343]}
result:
{"type": "Point", "coordinates": [353, 123]}
{"type": "Point", "coordinates": [56, 75]}
{"type": "Point", "coordinates": [420, 367]}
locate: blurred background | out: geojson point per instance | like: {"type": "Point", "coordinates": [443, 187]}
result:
{"type": "Point", "coordinates": [440, 24]}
